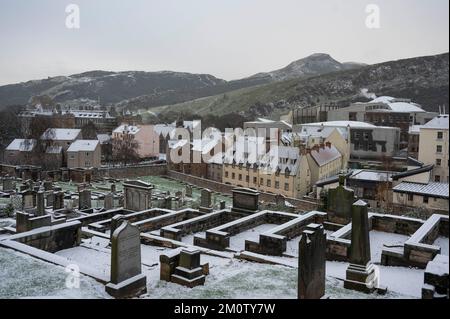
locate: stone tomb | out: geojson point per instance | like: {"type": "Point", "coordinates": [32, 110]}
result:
{"type": "Point", "coordinates": [183, 267]}
{"type": "Point", "coordinates": [137, 195]}
{"type": "Point", "coordinates": [311, 262]}
{"type": "Point", "coordinates": [127, 280]}
{"type": "Point", "coordinates": [245, 201]}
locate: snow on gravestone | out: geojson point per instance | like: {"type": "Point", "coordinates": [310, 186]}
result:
{"type": "Point", "coordinates": [125, 253]}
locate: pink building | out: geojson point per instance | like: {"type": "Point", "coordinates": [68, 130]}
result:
{"type": "Point", "coordinates": [145, 136]}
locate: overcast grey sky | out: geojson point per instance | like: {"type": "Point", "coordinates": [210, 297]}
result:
{"type": "Point", "coordinates": [227, 38]}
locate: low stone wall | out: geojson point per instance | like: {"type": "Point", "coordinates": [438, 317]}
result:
{"type": "Point", "coordinates": [52, 238]}
{"type": "Point", "coordinates": [130, 171]}
{"type": "Point", "coordinates": [197, 224]}
{"type": "Point", "coordinates": [219, 237]}
{"type": "Point", "coordinates": [338, 243]}
{"type": "Point", "coordinates": [419, 250]}
{"type": "Point", "coordinates": [273, 242]}
{"type": "Point", "coordinates": [301, 205]}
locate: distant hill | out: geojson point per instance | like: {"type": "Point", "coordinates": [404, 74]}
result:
{"type": "Point", "coordinates": [315, 64]}
{"type": "Point", "coordinates": [137, 89]}
{"type": "Point", "coordinates": [422, 79]}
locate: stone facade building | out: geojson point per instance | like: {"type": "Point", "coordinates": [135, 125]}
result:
{"type": "Point", "coordinates": [84, 154]}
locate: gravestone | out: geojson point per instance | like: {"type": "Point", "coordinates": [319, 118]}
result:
{"type": "Point", "coordinates": [245, 201]}
{"type": "Point", "coordinates": [206, 201]}
{"type": "Point", "coordinates": [8, 184]}
{"type": "Point", "coordinates": [127, 280]}
{"type": "Point", "coordinates": [116, 221]}
{"type": "Point", "coordinates": [40, 203]}
{"type": "Point", "coordinates": [58, 201]}
{"type": "Point", "coordinates": [109, 201]}
{"type": "Point", "coordinates": [311, 262]}
{"type": "Point", "coordinates": [49, 199]}
{"type": "Point", "coordinates": [340, 201]}
{"type": "Point", "coordinates": [28, 199]}
{"type": "Point", "coordinates": [188, 191]}
{"type": "Point", "coordinates": [223, 205]}
{"type": "Point", "coordinates": [361, 275]}
{"type": "Point", "coordinates": [189, 272]}
{"type": "Point", "coordinates": [113, 188]}
{"type": "Point", "coordinates": [179, 194]}
{"type": "Point", "coordinates": [48, 185]}
{"type": "Point", "coordinates": [85, 199]}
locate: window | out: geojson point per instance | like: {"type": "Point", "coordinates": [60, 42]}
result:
{"type": "Point", "coordinates": [255, 180]}
{"type": "Point", "coordinates": [240, 177]}
{"type": "Point", "coordinates": [233, 175]}
{"type": "Point", "coordinates": [440, 135]}
{"type": "Point", "coordinates": [438, 162]}
{"type": "Point", "coordinates": [439, 149]}
{"type": "Point", "coordinates": [425, 199]}
{"type": "Point", "coordinates": [261, 181]}
{"type": "Point", "coordinates": [247, 178]}
{"type": "Point", "coordinates": [269, 183]}
{"type": "Point", "coordinates": [410, 197]}
{"type": "Point", "coordinates": [277, 184]}
{"type": "Point", "coordinates": [437, 179]}
{"type": "Point", "coordinates": [286, 186]}
{"type": "Point", "coordinates": [226, 174]}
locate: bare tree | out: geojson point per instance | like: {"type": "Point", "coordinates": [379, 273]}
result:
{"type": "Point", "coordinates": [125, 151]}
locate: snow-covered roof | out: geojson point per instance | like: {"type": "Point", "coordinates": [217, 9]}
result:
{"type": "Point", "coordinates": [398, 105]}
{"type": "Point", "coordinates": [431, 189]}
{"type": "Point", "coordinates": [439, 122]}
{"type": "Point", "coordinates": [325, 155]}
{"type": "Point", "coordinates": [22, 145]}
{"type": "Point", "coordinates": [90, 114]}
{"type": "Point", "coordinates": [415, 129]}
{"type": "Point", "coordinates": [350, 124]}
{"type": "Point", "coordinates": [83, 146]}
{"type": "Point", "coordinates": [371, 175]}
{"type": "Point", "coordinates": [127, 129]}
{"type": "Point", "coordinates": [61, 134]}
{"type": "Point", "coordinates": [103, 138]}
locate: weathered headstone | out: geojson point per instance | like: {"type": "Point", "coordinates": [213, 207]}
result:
{"type": "Point", "coordinates": [8, 184]}
{"type": "Point", "coordinates": [113, 188]}
{"type": "Point", "coordinates": [116, 221]}
{"type": "Point", "coordinates": [48, 185]}
{"type": "Point", "coordinates": [85, 199]}
{"type": "Point", "coordinates": [58, 200]}
{"type": "Point", "coordinates": [340, 200]}
{"type": "Point", "coordinates": [40, 203]}
{"type": "Point", "coordinates": [206, 201]}
{"type": "Point", "coordinates": [311, 262]}
{"type": "Point", "coordinates": [360, 275]}
{"type": "Point", "coordinates": [28, 199]}
{"type": "Point", "coordinates": [188, 191]}
{"type": "Point", "coordinates": [109, 201]}
{"type": "Point", "coordinates": [127, 279]}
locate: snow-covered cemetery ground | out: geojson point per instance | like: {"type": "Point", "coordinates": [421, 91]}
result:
{"type": "Point", "coordinates": [237, 242]}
